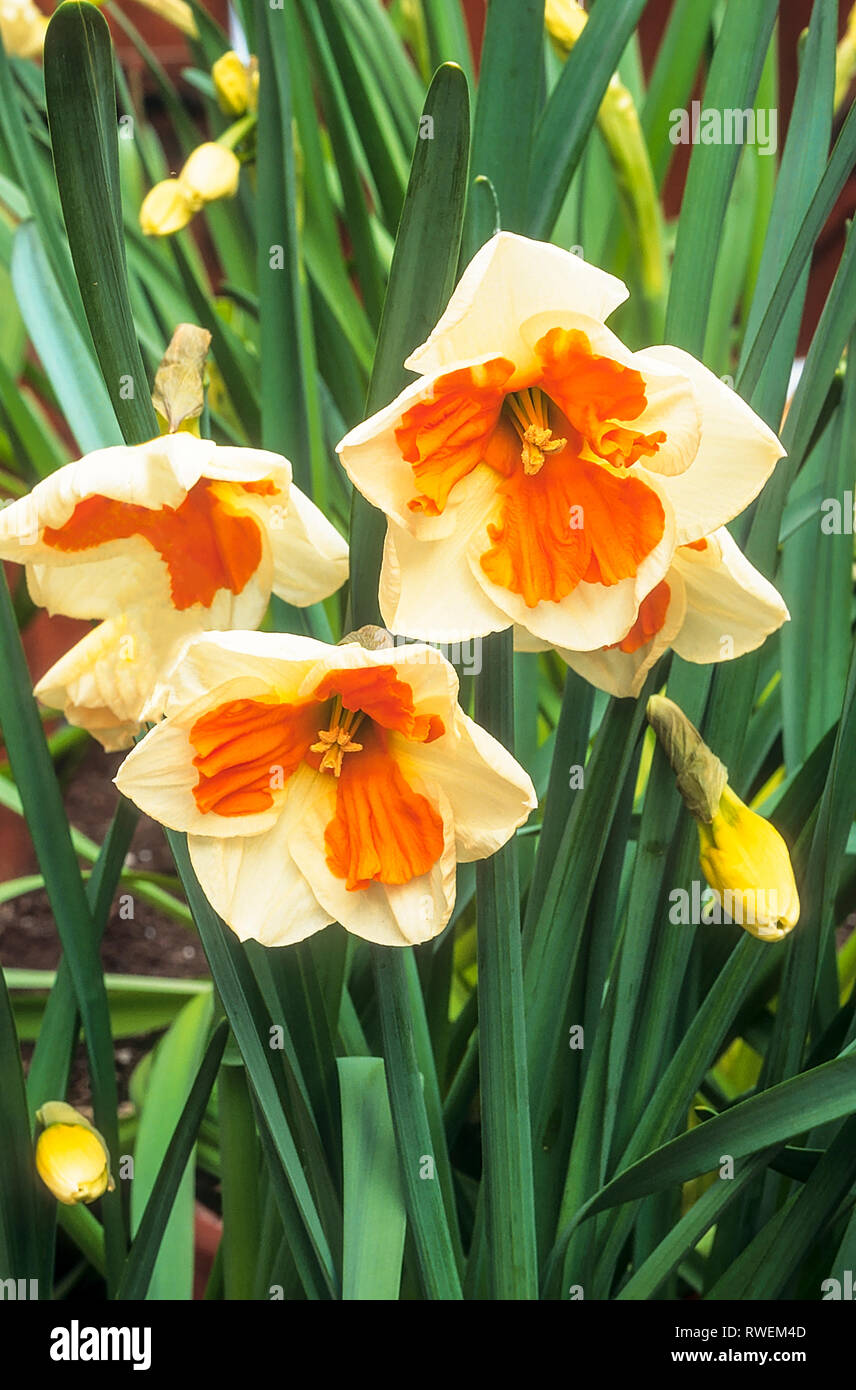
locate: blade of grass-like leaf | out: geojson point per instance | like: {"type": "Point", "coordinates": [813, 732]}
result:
{"type": "Point", "coordinates": [571, 110]}
{"type": "Point", "coordinates": [290, 409]}
{"type": "Point", "coordinates": [423, 1197]}
{"type": "Point", "coordinates": [421, 279]}
{"type": "Point", "coordinates": [671, 83]}
{"type": "Point", "coordinates": [239, 1154]}
{"type": "Point", "coordinates": [64, 354]}
{"type": "Point", "coordinates": [703, 1214]}
{"type": "Point", "coordinates": [834, 177]}
{"type": "Point", "coordinates": [20, 1257]}
{"type": "Point", "coordinates": [251, 1025]}
{"type": "Point", "coordinates": [734, 74]}
{"type": "Point", "coordinates": [143, 1254]}
{"type": "Point", "coordinates": [173, 1070]}
{"type": "Point", "coordinates": [509, 80]}
{"type": "Point", "coordinates": [374, 1211]}
{"type": "Point", "coordinates": [35, 777]}
{"type": "Point", "coordinates": [824, 1093]}
{"type": "Point", "coordinates": [81, 104]}
{"type": "Point", "coordinates": [448, 37]}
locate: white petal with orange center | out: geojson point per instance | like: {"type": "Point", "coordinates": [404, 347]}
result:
{"type": "Point", "coordinates": [255, 884]}
{"type": "Point", "coordinates": [623, 673]}
{"type": "Point", "coordinates": [427, 588]}
{"type": "Point", "coordinates": [731, 607]}
{"type": "Point", "coordinates": [508, 280]}
{"type": "Point", "coordinates": [736, 454]}
{"type": "Point", "coordinates": [489, 792]}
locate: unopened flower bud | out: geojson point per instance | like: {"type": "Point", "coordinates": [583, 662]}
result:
{"type": "Point", "coordinates": [71, 1156]}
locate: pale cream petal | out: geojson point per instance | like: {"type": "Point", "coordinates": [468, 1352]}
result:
{"type": "Point", "coordinates": [158, 776]}
{"type": "Point", "coordinates": [254, 662]}
{"type": "Point", "coordinates": [736, 456]}
{"type": "Point", "coordinates": [671, 401]}
{"type": "Point", "coordinates": [427, 587]}
{"type": "Point", "coordinates": [593, 615]}
{"type": "Point", "coordinates": [310, 558]}
{"type": "Point", "coordinates": [389, 916]}
{"type": "Point", "coordinates": [624, 673]}
{"type": "Point", "coordinates": [254, 884]}
{"type": "Point", "coordinates": [105, 682]}
{"type": "Point", "coordinates": [489, 793]}
{"type": "Point", "coordinates": [510, 279]}
{"type": "Point", "coordinates": [731, 607]}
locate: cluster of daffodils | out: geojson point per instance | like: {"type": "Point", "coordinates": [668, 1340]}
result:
{"type": "Point", "coordinates": [213, 169]}
{"type": "Point", "coordinates": [536, 476]}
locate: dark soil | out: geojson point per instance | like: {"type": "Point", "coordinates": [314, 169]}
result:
{"type": "Point", "coordinates": [149, 943]}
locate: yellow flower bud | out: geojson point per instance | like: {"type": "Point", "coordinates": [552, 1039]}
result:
{"type": "Point", "coordinates": [211, 172]}
{"type": "Point", "coordinates": [166, 209]}
{"type": "Point", "coordinates": [564, 21]}
{"type": "Point", "coordinates": [22, 28]}
{"type": "Point", "coordinates": [71, 1156]}
{"type": "Point", "coordinates": [746, 862]}
{"type": "Point", "coordinates": [232, 84]}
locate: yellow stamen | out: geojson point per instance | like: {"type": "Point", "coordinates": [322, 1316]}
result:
{"type": "Point", "coordinates": [336, 741]}
{"type": "Point", "coordinates": [528, 410]}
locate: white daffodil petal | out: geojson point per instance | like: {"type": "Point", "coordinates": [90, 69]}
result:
{"type": "Point", "coordinates": [427, 587]}
{"type": "Point", "coordinates": [624, 673]}
{"type": "Point", "coordinates": [310, 557]}
{"type": "Point", "coordinates": [736, 454]}
{"type": "Point", "coordinates": [255, 884]}
{"type": "Point", "coordinates": [258, 662]}
{"type": "Point", "coordinates": [510, 279]}
{"type": "Point", "coordinates": [158, 776]}
{"type": "Point", "coordinates": [731, 607]}
{"type": "Point", "coordinates": [489, 792]}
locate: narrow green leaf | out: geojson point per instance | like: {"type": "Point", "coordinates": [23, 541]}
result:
{"type": "Point", "coordinates": [734, 74]}
{"type": "Point", "coordinates": [241, 1169]}
{"type": "Point", "coordinates": [81, 104]}
{"type": "Point", "coordinates": [374, 1212]}
{"type": "Point", "coordinates": [143, 1254]}
{"type": "Point", "coordinates": [571, 111]}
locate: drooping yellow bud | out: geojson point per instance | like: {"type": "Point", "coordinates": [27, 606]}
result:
{"type": "Point", "coordinates": [747, 864]}
{"type": "Point", "coordinates": [166, 209]}
{"type": "Point", "coordinates": [71, 1156]}
{"type": "Point", "coordinates": [211, 172]}
{"type": "Point", "coordinates": [22, 28]}
{"type": "Point", "coordinates": [236, 84]}
{"type": "Point", "coordinates": [743, 857]}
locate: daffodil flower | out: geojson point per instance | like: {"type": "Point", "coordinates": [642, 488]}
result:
{"type": "Point", "coordinates": [161, 541]}
{"type": "Point", "coordinates": [320, 784]}
{"type": "Point", "coordinates": [712, 605]}
{"type": "Point", "coordinates": [539, 474]}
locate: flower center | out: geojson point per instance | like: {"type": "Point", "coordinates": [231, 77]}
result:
{"type": "Point", "coordinates": [527, 411]}
{"type": "Point", "coordinates": [335, 741]}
